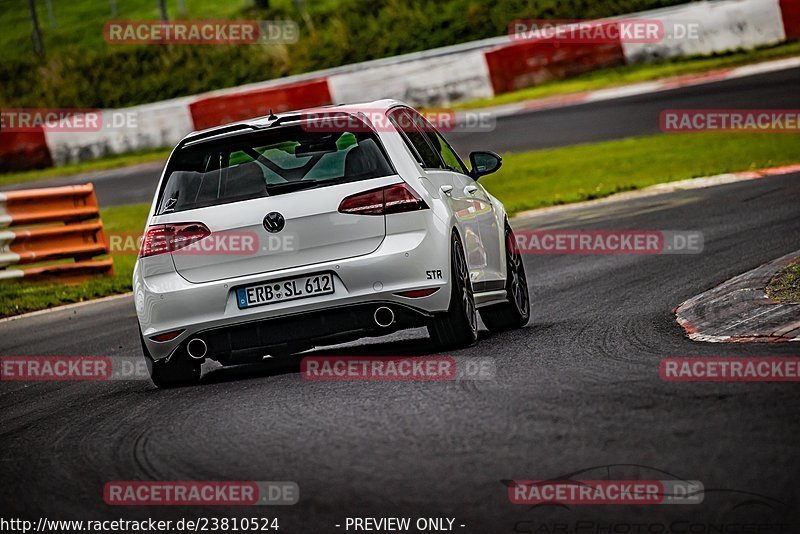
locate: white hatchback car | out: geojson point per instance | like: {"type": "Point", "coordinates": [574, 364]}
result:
{"type": "Point", "coordinates": [274, 235]}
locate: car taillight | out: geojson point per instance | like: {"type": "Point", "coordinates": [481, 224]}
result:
{"type": "Point", "coordinates": [368, 203]}
{"type": "Point", "coordinates": [401, 198]}
{"type": "Point", "coordinates": [163, 238]}
{"type": "Point", "coordinates": [398, 198]}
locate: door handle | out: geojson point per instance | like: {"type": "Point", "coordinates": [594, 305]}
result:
{"type": "Point", "coordinates": [447, 189]}
{"type": "Point", "coordinates": [471, 189]}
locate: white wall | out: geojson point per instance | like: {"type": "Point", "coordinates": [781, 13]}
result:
{"type": "Point", "coordinates": [433, 81]}
{"type": "Point", "coordinates": [436, 77]}
{"type": "Point", "coordinates": [161, 124]}
{"type": "Point", "coordinates": [723, 25]}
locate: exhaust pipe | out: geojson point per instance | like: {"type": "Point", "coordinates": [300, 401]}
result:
{"type": "Point", "coordinates": [384, 317]}
{"type": "Point", "coordinates": [197, 348]}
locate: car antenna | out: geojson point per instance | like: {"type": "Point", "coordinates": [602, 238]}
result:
{"type": "Point", "coordinates": [272, 116]}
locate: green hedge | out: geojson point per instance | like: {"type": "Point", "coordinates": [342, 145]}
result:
{"type": "Point", "coordinates": [332, 34]}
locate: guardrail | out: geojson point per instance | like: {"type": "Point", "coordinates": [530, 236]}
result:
{"type": "Point", "coordinates": [78, 237]}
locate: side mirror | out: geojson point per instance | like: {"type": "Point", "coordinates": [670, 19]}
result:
{"type": "Point", "coordinates": [484, 163]}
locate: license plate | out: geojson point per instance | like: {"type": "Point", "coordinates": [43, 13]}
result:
{"type": "Point", "coordinates": [295, 288]}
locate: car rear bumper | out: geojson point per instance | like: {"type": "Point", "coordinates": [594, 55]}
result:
{"type": "Point", "coordinates": [250, 341]}
{"type": "Point", "coordinates": [167, 302]}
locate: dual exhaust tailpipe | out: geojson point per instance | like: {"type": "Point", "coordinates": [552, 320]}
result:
{"type": "Point", "coordinates": [197, 348]}
{"type": "Point", "coordinates": [384, 317]}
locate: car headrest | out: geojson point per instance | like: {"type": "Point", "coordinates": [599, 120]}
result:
{"type": "Point", "coordinates": [366, 158]}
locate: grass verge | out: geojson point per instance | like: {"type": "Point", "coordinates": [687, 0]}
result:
{"type": "Point", "coordinates": [785, 285]}
{"type": "Point", "coordinates": [109, 162]}
{"type": "Point", "coordinates": [526, 180]}
{"type": "Point", "coordinates": [558, 176]}
{"type": "Point", "coordinates": [630, 74]}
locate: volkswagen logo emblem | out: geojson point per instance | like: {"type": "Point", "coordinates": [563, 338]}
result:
{"type": "Point", "coordinates": [274, 222]}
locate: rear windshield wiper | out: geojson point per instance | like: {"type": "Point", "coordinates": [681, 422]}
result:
{"type": "Point", "coordinates": [298, 186]}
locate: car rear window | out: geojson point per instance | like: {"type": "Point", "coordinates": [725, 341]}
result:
{"type": "Point", "coordinates": [269, 162]}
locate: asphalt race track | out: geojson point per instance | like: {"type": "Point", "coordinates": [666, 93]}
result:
{"type": "Point", "coordinates": [586, 123]}
{"type": "Point", "coordinates": [578, 389]}
{"type": "Point", "coordinates": [630, 116]}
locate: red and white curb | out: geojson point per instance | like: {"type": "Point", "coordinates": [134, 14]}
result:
{"type": "Point", "coordinates": [739, 310]}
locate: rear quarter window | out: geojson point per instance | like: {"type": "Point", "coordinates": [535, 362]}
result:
{"type": "Point", "coordinates": [414, 138]}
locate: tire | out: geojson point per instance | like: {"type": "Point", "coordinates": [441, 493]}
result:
{"type": "Point", "coordinates": [517, 311]}
{"type": "Point", "coordinates": [458, 326]}
{"type": "Point", "coordinates": [181, 369]}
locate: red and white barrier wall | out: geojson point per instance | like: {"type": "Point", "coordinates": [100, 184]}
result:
{"type": "Point", "coordinates": [437, 77]}
{"type": "Point", "coordinates": [428, 81]}
{"type": "Point", "coordinates": [722, 26]}
{"type": "Point", "coordinates": [160, 124]}
{"type": "Point", "coordinates": [790, 13]}
{"type": "Point", "coordinates": [530, 62]}
{"type": "Point", "coordinates": [231, 106]}
{"type": "Point", "coordinates": [24, 150]}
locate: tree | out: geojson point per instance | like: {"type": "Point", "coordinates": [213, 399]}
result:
{"type": "Point", "coordinates": [37, 34]}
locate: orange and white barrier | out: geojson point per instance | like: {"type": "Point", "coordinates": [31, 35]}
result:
{"type": "Point", "coordinates": [67, 226]}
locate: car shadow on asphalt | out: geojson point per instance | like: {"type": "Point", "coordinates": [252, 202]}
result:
{"type": "Point", "coordinates": [284, 365]}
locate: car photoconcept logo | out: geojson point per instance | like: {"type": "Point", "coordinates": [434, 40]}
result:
{"type": "Point", "coordinates": [274, 222]}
